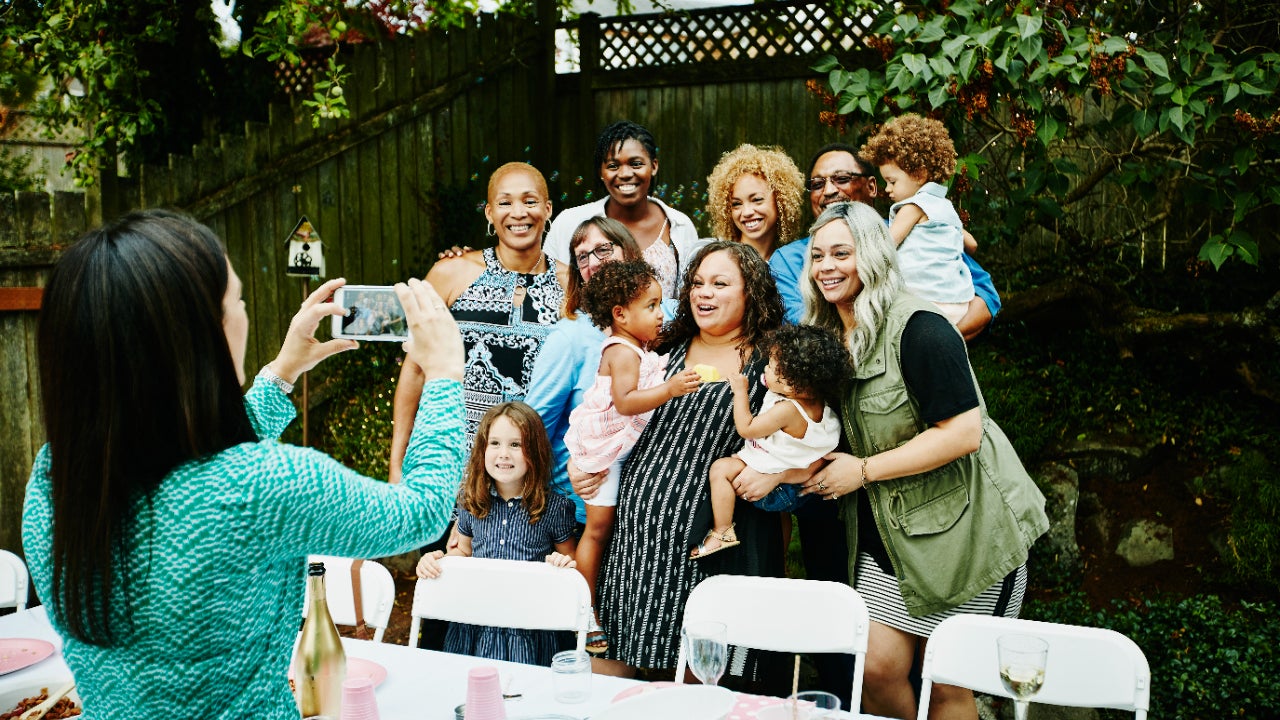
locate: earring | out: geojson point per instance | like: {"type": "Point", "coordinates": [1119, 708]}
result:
{"type": "Point", "coordinates": [489, 229]}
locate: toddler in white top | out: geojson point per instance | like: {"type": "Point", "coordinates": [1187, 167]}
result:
{"type": "Point", "coordinates": [915, 156]}
{"type": "Point", "coordinates": [796, 426]}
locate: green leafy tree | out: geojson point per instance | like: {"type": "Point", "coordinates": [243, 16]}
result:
{"type": "Point", "coordinates": [147, 78]}
{"type": "Point", "coordinates": [1166, 107]}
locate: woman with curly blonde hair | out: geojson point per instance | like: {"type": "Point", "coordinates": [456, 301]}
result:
{"type": "Point", "coordinates": [915, 155]}
{"type": "Point", "coordinates": [755, 196]}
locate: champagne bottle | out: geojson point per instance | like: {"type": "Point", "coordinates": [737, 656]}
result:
{"type": "Point", "coordinates": [319, 665]}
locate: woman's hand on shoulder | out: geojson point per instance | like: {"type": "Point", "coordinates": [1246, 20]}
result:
{"type": "Point", "coordinates": [429, 565]}
{"type": "Point", "coordinates": [300, 350]}
{"type": "Point", "coordinates": [561, 560]}
{"type": "Point", "coordinates": [434, 343]}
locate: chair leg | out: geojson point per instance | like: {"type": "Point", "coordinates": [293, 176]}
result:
{"type": "Point", "coordinates": [926, 689]}
{"type": "Point", "coordinates": [414, 626]}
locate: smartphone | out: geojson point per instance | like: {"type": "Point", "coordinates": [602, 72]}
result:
{"type": "Point", "coordinates": [373, 313]}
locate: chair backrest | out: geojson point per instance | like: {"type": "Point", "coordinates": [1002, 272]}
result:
{"type": "Point", "coordinates": [784, 615]}
{"type": "Point", "coordinates": [504, 593]}
{"type": "Point", "coordinates": [13, 581]}
{"type": "Point", "coordinates": [1086, 667]}
{"type": "Point", "coordinates": [377, 592]}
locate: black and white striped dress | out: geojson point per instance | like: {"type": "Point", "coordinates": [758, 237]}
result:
{"type": "Point", "coordinates": [664, 511]}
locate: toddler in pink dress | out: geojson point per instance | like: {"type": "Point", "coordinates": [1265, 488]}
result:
{"type": "Point", "coordinates": [625, 298]}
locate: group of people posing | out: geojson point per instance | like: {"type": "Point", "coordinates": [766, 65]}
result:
{"type": "Point", "coordinates": [653, 408]}
{"type": "Point", "coordinates": [639, 404]}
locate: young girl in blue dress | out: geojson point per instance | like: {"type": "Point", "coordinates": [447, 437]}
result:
{"type": "Point", "coordinates": [506, 510]}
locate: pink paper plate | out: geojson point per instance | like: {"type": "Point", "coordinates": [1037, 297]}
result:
{"type": "Point", "coordinates": [359, 667]}
{"type": "Point", "coordinates": [17, 653]}
{"type": "Point", "coordinates": [646, 687]}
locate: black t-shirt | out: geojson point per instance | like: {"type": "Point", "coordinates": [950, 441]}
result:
{"type": "Point", "coordinates": [935, 368]}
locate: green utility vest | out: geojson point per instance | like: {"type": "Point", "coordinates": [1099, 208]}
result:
{"type": "Point", "coordinates": [951, 532]}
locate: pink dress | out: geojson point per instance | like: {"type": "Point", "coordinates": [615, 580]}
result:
{"type": "Point", "coordinates": [600, 437]}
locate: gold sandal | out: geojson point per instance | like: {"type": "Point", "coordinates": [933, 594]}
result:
{"type": "Point", "coordinates": [727, 539]}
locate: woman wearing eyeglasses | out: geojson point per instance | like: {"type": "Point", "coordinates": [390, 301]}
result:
{"type": "Point", "coordinates": [567, 365]}
{"type": "Point", "coordinates": [755, 196]}
{"type": "Point", "coordinates": [626, 163]}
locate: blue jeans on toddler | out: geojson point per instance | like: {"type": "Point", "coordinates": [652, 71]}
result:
{"type": "Point", "coordinates": [784, 498]}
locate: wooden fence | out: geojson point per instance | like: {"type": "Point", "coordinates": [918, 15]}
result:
{"type": "Point", "coordinates": [405, 174]}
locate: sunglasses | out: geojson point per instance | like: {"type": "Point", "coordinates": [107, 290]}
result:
{"type": "Point", "coordinates": [840, 180]}
{"type": "Point", "coordinates": [602, 253]}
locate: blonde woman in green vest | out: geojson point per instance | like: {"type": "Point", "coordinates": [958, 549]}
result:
{"type": "Point", "coordinates": [938, 509]}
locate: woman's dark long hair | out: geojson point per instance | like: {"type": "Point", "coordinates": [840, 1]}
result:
{"type": "Point", "coordinates": [762, 310]}
{"type": "Point", "coordinates": [136, 378]}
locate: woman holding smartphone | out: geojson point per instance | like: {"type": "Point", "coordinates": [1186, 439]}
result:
{"type": "Point", "coordinates": [165, 526]}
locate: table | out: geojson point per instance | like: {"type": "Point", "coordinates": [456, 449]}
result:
{"type": "Point", "coordinates": [420, 684]}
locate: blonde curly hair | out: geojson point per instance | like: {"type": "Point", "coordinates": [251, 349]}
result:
{"type": "Point", "coordinates": [915, 144]}
{"type": "Point", "coordinates": [777, 170]}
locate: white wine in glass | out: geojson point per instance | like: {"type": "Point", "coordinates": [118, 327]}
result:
{"type": "Point", "coordinates": [706, 646]}
{"type": "Point", "coordinates": [1022, 663]}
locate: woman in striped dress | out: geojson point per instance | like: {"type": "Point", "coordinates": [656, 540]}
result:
{"type": "Point", "coordinates": [946, 512]}
{"type": "Point", "coordinates": [728, 301]}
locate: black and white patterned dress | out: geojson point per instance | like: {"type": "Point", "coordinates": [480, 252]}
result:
{"type": "Point", "coordinates": [502, 340]}
{"type": "Point", "coordinates": [664, 510]}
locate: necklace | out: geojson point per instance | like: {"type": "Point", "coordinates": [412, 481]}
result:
{"type": "Point", "coordinates": [538, 263]}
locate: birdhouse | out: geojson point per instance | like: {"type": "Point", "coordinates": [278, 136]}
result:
{"type": "Point", "coordinates": [306, 252]}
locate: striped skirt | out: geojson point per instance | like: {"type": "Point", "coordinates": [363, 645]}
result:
{"type": "Point", "coordinates": [884, 599]}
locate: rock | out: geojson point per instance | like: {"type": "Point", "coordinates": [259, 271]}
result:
{"type": "Point", "coordinates": [1146, 542]}
{"type": "Point", "coordinates": [1114, 458]}
{"type": "Point", "coordinates": [1061, 488]}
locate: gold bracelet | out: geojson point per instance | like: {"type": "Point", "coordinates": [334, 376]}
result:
{"type": "Point", "coordinates": [864, 472]}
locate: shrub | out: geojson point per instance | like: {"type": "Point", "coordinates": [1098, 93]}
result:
{"type": "Point", "coordinates": [1207, 660]}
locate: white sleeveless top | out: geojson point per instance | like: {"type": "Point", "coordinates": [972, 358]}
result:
{"type": "Point", "coordinates": [780, 451]}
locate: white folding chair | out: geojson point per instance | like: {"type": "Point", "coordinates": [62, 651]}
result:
{"type": "Point", "coordinates": [377, 593]}
{"type": "Point", "coordinates": [1086, 667]}
{"type": "Point", "coordinates": [13, 581]}
{"type": "Point", "coordinates": [504, 593]}
{"type": "Point", "coordinates": [784, 615]}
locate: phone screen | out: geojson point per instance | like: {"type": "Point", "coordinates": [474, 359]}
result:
{"type": "Point", "coordinates": [373, 313]}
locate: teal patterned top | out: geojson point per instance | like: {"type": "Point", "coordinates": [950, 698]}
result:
{"type": "Point", "coordinates": [218, 561]}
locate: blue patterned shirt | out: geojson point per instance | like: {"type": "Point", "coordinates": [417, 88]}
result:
{"type": "Point", "coordinates": [217, 567]}
{"type": "Point", "coordinates": [504, 532]}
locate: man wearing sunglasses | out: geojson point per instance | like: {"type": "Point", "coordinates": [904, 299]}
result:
{"type": "Point", "coordinates": [836, 174]}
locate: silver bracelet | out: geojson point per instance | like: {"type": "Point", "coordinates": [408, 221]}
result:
{"type": "Point", "coordinates": [266, 373]}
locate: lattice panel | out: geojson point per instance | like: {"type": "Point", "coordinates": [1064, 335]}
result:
{"type": "Point", "coordinates": [757, 32]}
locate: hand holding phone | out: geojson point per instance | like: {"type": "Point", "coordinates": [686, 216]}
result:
{"type": "Point", "coordinates": [373, 313]}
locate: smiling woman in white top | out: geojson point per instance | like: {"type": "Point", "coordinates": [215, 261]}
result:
{"type": "Point", "coordinates": [626, 162]}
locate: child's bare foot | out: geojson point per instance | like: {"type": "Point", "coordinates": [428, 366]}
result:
{"type": "Point", "coordinates": [715, 541]}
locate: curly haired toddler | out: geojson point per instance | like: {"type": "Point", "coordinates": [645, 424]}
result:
{"type": "Point", "coordinates": [915, 156]}
{"type": "Point", "coordinates": [796, 425]}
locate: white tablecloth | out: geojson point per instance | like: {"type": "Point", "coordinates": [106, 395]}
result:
{"type": "Point", "coordinates": [420, 684]}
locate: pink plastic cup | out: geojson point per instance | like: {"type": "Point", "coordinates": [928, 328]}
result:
{"type": "Point", "coordinates": [484, 695]}
{"type": "Point", "coordinates": [358, 700]}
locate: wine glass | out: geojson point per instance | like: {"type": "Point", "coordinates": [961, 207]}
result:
{"type": "Point", "coordinates": [1022, 661]}
{"type": "Point", "coordinates": [706, 645]}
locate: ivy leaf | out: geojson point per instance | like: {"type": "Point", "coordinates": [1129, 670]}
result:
{"type": "Point", "coordinates": [933, 31]}
{"type": "Point", "coordinates": [1155, 63]}
{"type": "Point", "coordinates": [938, 96]}
{"type": "Point", "coordinates": [968, 61]}
{"type": "Point", "coordinates": [1215, 251]}
{"type": "Point", "coordinates": [1233, 89]}
{"type": "Point", "coordinates": [954, 46]}
{"type": "Point", "coordinates": [826, 64]}
{"type": "Point", "coordinates": [914, 62]}
{"type": "Point", "coordinates": [1244, 155]}
{"type": "Point", "coordinates": [1029, 25]}
{"type": "Point", "coordinates": [1144, 122]}
{"type": "Point", "coordinates": [1114, 45]}
{"type": "Point", "coordinates": [1047, 130]}
{"type": "Point", "coordinates": [908, 23]}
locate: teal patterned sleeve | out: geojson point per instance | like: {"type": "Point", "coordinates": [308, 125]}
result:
{"type": "Point", "coordinates": [269, 409]}
{"type": "Point", "coordinates": [311, 504]}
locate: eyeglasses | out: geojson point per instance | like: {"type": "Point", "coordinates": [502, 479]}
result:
{"type": "Point", "coordinates": [602, 253]}
{"type": "Point", "coordinates": [839, 180]}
